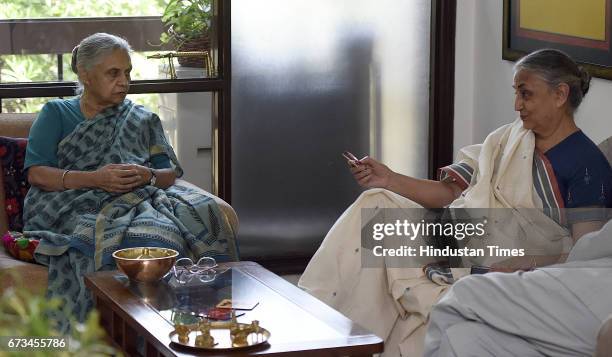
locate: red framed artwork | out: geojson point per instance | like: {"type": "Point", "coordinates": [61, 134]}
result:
{"type": "Point", "coordinates": [581, 28]}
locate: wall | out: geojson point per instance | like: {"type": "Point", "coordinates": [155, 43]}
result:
{"type": "Point", "coordinates": [484, 98]}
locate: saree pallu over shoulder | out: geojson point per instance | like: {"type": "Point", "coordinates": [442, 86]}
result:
{"type": "Point", "coordinates": [547, 187]}
{"type": "Point", "coordinates": [502, 167]}
{"type": "Point", "coordinates": [518, 187]}
{"type": "Point", "coordinates": [126, 133]}
{"type": "Point", "coordinates": [492, 174]}
{"type": "Point", "coordinates": [94, 223]}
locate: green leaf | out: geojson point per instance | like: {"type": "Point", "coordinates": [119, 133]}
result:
{"type": "Point", "coordinates": [164, 38]}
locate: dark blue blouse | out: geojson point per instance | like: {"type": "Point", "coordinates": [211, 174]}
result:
{"type": "Point", "coordinates": [583, 172]}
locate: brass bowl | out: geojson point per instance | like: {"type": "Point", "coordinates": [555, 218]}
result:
{"type": "Point", "coordinates": [145, 264]}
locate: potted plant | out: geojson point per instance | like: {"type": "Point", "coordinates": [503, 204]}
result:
{"type": "Point", "coordinates": [188, 23]}
{"type": "Point", "coordinates": [23, 314]}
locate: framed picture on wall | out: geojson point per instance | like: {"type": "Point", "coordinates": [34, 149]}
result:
{"type": "Point", "coordinates": [581, 28]}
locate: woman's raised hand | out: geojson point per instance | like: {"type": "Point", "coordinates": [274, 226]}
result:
{"type": "Point", "coordinates": [119, 178]}
{"type": "Point", "coordinates": [370, 173]}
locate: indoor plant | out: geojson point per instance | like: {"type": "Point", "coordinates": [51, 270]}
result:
{"type": "Point", "coordinates": [26, 315]}
{"type": "Point", "coordinates": [188, 24]}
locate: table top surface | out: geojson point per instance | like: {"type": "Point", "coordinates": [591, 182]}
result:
{"type": "Point", "coordinates": [297, 321]}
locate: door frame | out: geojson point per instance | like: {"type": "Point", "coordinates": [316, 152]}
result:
{"type": "Point", "coordinates": [442, 84]}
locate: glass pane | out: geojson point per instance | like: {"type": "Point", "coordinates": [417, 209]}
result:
{"type": "Point", "coordinates": [40, 36]}
{"type": "Point", "coordinates": [355, 79]}
{"type": "Point", "coordinates": [23, 105]}
{"type": "Point", "coordinates": [31, 9]}
{"type": "Point", "coordinates": [184, 303]}
{"type": "Point", "coordinates": [28, 68]}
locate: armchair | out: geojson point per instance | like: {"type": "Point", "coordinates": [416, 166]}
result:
{"type": "Point", "coordinates": [18, 126]}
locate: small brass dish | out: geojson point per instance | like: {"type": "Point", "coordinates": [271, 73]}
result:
{"type": "Point", "coordinates": [145, 264]}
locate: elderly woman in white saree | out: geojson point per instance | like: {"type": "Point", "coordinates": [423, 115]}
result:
{"type": "Point", "coordinates": [529, 164]}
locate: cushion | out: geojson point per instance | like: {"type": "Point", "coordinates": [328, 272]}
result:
{"type": "Point", "coordinates": [20, 247]}
{"type": "Point", "coordinates": [14, 180]}
{"type": "Point", "coordinates": [3, 224]}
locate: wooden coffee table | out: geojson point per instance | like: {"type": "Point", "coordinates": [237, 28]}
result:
{"type": "Point", "coordinates": [298, 322]}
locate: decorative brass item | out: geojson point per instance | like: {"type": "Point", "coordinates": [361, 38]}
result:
{"type": "Point", "coordinates": [170, 55]}
{"type": "Point", "coordinates": [183, 333]}
{"type": "Point", "coordinates": [220, 335]}
{"type": "Point", "coordinates": [145, 264]}
{"type": "Point", "coordinates": [240, 332]}
{"type": "Point", "coordinates": [204, 339]}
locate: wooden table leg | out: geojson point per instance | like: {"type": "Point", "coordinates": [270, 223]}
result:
{"type": "Point", "coordinates": [107, 321]}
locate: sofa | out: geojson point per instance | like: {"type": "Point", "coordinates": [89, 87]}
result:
{"type": "Point", "coordinates": [18, 126]}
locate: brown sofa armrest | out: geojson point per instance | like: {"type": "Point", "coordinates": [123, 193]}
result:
{"type": "Point", "coordinates": [16, 125]}
{"type": "Point", "coordinates": [229, 212]}
{"type": "Point", "coordinates": [32, 277]}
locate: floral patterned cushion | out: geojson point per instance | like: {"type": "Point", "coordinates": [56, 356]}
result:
{"type": "Point", "coordinates": [20, 247]}
{"type": "Point", "coordinates": [12, 156]}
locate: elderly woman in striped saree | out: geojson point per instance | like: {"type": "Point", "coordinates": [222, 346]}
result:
{"type": "Point", "coordinates": [541, 162]}
{"type": "Point", "coordinates": [103, 178]}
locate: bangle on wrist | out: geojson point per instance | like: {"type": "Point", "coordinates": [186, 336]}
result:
{"type": "Point", "coordinates": [64, 178]}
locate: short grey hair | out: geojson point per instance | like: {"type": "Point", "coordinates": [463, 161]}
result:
{"type": "Point", "coordinates": [93, 49]}
{"type": "Point", "coordinates": [556, 67]}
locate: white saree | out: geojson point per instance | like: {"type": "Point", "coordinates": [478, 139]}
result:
{"type": "Point", "coordinates": [551, 311]}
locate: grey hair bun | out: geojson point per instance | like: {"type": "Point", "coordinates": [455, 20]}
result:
{"type": "Point", "coordinates": [73, 62]}
{"type": "Point", "coordinates": [585, 80]}
{"type": "Point", "coordinates": [93, 49]}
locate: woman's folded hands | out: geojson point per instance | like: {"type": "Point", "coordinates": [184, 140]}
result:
{"type": "Point", "coordinates": [122, 178]}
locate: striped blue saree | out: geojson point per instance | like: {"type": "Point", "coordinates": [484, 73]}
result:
{"type": "Point", "coordinates": [80, 229]}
